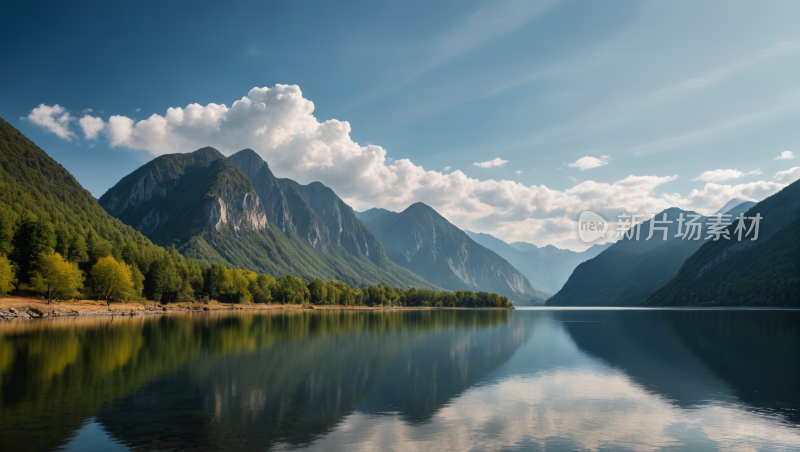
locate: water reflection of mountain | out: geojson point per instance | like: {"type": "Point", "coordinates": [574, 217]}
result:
{"type": "Point", "coordinates": [296, 392]}
{"type": "Point", "coordinates": [239, 382]}
{"type": "Point", "coordinates": [695, 357]}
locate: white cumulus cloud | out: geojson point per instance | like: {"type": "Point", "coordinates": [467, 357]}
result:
{"type": "Point", "coordinates": [587, 162]}
{"type": "Point", "coordinates": [91, 126]}
{"type": "Point", "coordinates": [785, 155]}
{"type": "Point", "coordinates": [279, 124]}
{"type": "Point", "coordinates": [722, 175]}
{"type": "Point", "coordinates": [54, 119]}
{"type": "Point", "coordinates": [495, 162]}
{"type": "Point", "coordinates": [789, 175]}
{"type": "Point", "coordinates": [447, 168]}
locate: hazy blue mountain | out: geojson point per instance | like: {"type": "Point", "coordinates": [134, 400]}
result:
{"type": "Point", "coordinates": [424, 242]}
{"type": "Point", "coordinates": [764, 272]}
{"type": "Point", "coordinates": [737, 209]}
{"type": "Point", "coordinates": [212, 211]}
{"type": "Point", "coordinates": [629, 270]}
{"type": "Point", "coordinates": [370, 213]}
{"type": "Point", "coordinates": [735, 202]}
{"type": "Point", "coordinates": [547, 268]}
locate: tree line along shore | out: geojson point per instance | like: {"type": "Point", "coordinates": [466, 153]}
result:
{"type": "Point", "coordinates": [38, 257]}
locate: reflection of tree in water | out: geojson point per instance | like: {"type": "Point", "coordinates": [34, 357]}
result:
{"type": "Point", "coordinates": [219, 380]}
{"type": "Point", "coordinates": [694, 357]}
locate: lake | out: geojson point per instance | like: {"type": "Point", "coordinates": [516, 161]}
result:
{"type": "Point", "coordinates": [529, 379]}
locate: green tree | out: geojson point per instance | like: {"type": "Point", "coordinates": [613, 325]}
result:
{"type": "Point", "coordinates": [8, 224]}
{"type": "Point", "coordinates": [33, 237]}
{"type": "Point", "coordinates": [138, 281]}
{"type": "Point", "coordinates": [7, 279]}
{"type": "Point", "coordinates": [97, 247]}
{"type": "Point", "coordinates": [259, 287]}
{"type": "Point", "coordinates": [163, 280]}
{"type": "Point", "coordinates": [292, 290]}
{"type": "Point", "coordinates": [112, 279]}
{"type": "Point", "coordinates": [317, 291]}
{"type": "Point", "coordinates": [56, 277]}
{"type": "Point", "coordinates": [334, 294]}
{"type": "Point", "coordinates": [63, 239]}
{"type": "Point", "coordinates": [77, 249]}
{"type": "Point", "coordinates": [218, 281]}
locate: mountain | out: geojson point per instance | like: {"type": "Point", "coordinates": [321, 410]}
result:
{"type": "Point", "coordinates": [370, 213]}
{"type": "Point", "coordinates": [340, 225]}
{"type": "Point", "coordinates": [424, 242]}
{"type": "Point", "coordinates": [547, 268]}
{"type": "Point", "coordinates": [735, 202]}
{"type": "Point", "coordinates": [764, 272]}
{"type": "Point", "coordinates": [626, 272]}
{"type": "Point", "coordinates": [178, 196]}
{"type": "Point", "coordinates": [43, 209]}
{"type": "Point", "coordinates": [266, 186]}
{"type": "Point", "coordinates": [234, 211]}
{"type": "Point", "coordinates": [33, 184]}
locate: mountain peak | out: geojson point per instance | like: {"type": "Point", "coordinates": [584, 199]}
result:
{"type": "Point", "coordinates": [371, 213]}
{"type": "Point", "coordinates": [207, 154]}
{"type": "Point", "coordinates": [730, 205]}
{"type": "Point", "coordinates": [421, 208]}
{"type": "Point", "coordinates": [248, 160]}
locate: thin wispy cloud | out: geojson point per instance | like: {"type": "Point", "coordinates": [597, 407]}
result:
{"type": "Point", "coordinates": [493, 20]}
{"type": "Point", "coordinates": [494, 162]}
{"type": "Point", "coordinates": [792, 102]}
{"type": "Point", "coordinates": [588, 162]}
{"type": "Point", "coordinates": [721, 73]}
{"type": "Point", "coordinates": [722, 175]}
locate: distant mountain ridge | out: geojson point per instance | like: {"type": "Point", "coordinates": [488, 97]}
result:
{"type": "Point", "coordinates": [235, 211]}
{"type": "Point", "coordinates": [424, 242]}
{"type": "Point", "coordinates": [547, 268]}
{"type": "Point", "coordinates": [764, 272]}
{"type": "Point", "coordinates": [630, 269]}
{"type": "Point", "coordinates": [371, 213]}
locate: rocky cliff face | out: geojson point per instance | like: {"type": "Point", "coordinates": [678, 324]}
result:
{"type": "Point", "coordinates": [341, 226]}
{"type": "Point", "coordinates": [267, 188]}
{"type": "Point", "coordinates": [177, 196]}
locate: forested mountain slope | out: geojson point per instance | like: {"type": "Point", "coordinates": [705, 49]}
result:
{"type": "Point", "coordinates": [764, 272]}
{"type": "Point", "coordinates": [43, 209]}
{"type": "Point", "coordinates": [626, 272]}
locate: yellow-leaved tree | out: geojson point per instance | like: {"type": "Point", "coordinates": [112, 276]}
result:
{"type": "Point", "coordinates": [6, 276]}
{"type": "Point", "coordinates": [55, 277]}
{"type": "Point", "coordinates": [113, 279]}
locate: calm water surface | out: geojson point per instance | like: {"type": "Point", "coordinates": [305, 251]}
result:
{"type": "Point", "coordinates": [538, 379]}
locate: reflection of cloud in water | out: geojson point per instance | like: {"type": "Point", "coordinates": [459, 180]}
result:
{"type": "Point", "coordinates": [585, 409]}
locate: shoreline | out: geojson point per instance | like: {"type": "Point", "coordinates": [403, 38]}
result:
{"type": "Point", "coordinates": [18, 308]}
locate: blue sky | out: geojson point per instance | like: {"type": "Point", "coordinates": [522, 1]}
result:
{"type": "Point", "coordinates": [652, 94]}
